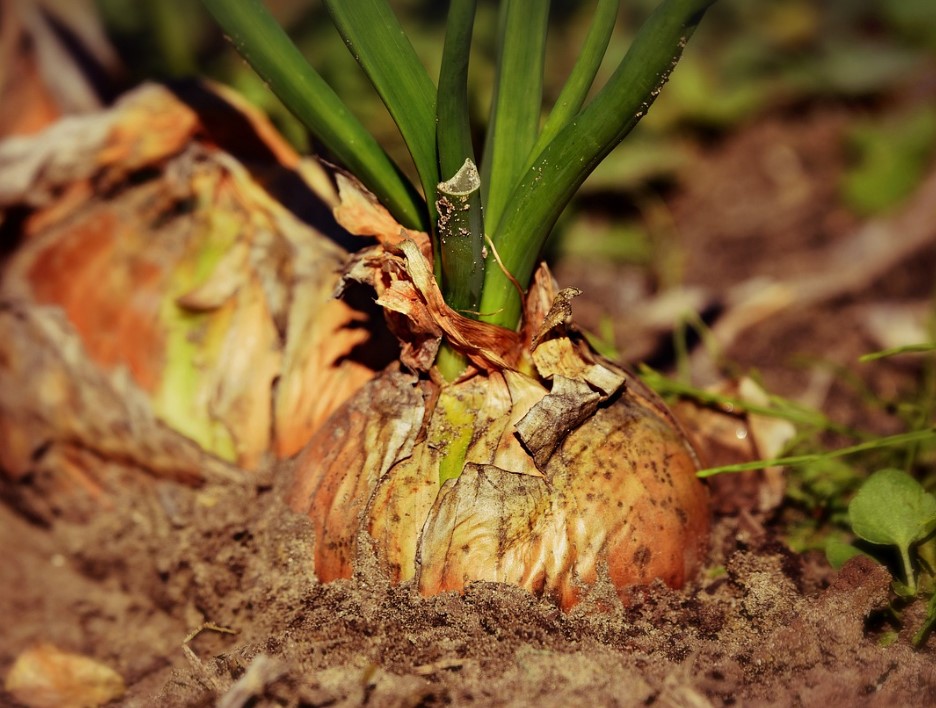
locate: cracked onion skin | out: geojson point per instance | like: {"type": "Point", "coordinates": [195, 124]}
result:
{"type": "Point", "coordinates": [622, 492]}
{"type": "Point", "coordinates": [543, 466]}
{"type": "Point", "coordinates": [618, 492]}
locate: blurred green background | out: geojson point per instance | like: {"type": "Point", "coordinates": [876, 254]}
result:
{"type": "Point", "coordinates": [750, 57]}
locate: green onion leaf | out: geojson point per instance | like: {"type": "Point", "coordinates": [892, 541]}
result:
{"type": "Point", "coordinates": [375, 38]}
{"type": "Point", "coordinates": [518, 97]}
{"type": "Point", "coordinates": [541, 194]}
{"type": "Point", "coordinates": [453, 130]}
{"type": "Point", "coordinates": [577, 86]}
{"type": "Point", "coordinates": [460, 228]}
{"type": "Point", "coordinates": [462, 239]}
{"type": "Point", "coordinates": [268, 49]}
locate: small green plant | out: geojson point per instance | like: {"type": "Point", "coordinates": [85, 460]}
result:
{"type": "Point", "coordinates": [529, 169]}
{"type": "Point", "coordinates": [892, 509]}
{"type": "Point", "coordinates": [890, 514]}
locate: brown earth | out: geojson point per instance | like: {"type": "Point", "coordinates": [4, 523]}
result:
{"type": "Point", "coordinates": [129, 584]}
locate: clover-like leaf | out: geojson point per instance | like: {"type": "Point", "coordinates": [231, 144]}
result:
{"type": "Point", "coordinates": [892, 508]}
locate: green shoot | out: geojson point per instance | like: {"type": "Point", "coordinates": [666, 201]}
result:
{"type": "Point", "coordinates": [541, 193]}
{"type": "Point", "coordinates": [375, 39]}
{"type": "Point", "coordinates": [895, 351]}
{"type": "Point", "coordinates": [460, 237]}
{"type": "Point", "coordinates": [268, 49]}
{"type": "Point", "coordinates": [580, 81]}
{"type": "Point", "coordinates": [527, 176]}
{"type": "Point", "coordinates": [515, 111]}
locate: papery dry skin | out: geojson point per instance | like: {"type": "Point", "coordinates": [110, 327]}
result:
{"type": "Point", "coordinates": [26, 104]}
{"type": "Point", "coordinates": [344, 461]}
{"type": "Point", "coordinates": [492, 525]}
{"type": "Point", "coordinates": [52, 53]}
{"type": "Point", "coordinates": [318, 374]}
{"type": "Point", "coordinates": [577, 468]}
{"type": "Point", "coordinates": [559, 314]}
{"type": "Point", "coordinates": [402, 498]}
{"type": "Point", "coordinates": [361, 214]}
{"type": "Point", "coordinates": [488, 347]}
{"type": "Point", "coordinates": [356, 473]}
{"type": "Point", "coordinates": [565, 407]}
{"type": "Point", "coordinates": [418, 315]}
{"type": "Point", "coordinates": [618, 488]}
{"type": "Point", "coordinates": [400, 271]}
{"type": "Point", "coordinates": [47, 677]}
{"type": "Point", "coordinates": [497, 443]}
{"type": "Point", "coordinates": [196, 280]}
{"type": "Point", "coordinates": [631, 475]}
{"type": "Point", "coordinates": [53, 399]}
{"type": "Point", "coordinates": [204, 348]}
{"type": "Point", "coordinates": [144, 128]}
{"type": "Point", "coordinates": [621, 491]}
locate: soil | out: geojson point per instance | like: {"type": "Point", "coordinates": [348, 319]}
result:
{"type": "Point", "coordinates": [129, 583]}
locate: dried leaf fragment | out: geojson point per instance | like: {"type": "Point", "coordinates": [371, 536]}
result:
{"type": "Point", "coordinates": [47, 677]}
{"type": "Point", "coordinates": [567, 406]}
{"type": "Point", "coordinates": [560, 313]}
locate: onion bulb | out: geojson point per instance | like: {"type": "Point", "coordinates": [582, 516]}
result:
{"type": "Point", "coordinates": [542, 466]}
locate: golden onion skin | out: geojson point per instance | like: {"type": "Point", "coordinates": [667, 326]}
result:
{"type": "Point", "coordinates": [619, 492]}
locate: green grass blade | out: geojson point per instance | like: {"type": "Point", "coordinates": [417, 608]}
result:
{"type": "Point", "coordinates": [779, 408]}
{"type": "Point", "coordinates": [580, 81]}
{"type": "Point", "coordinates": [267, 48]}
{"type": "Point", "coordinates": [375, 38]}
{"type": "Point", "coordinates": [895, 351]}
{"type": "Point", "coordinates": [558, 171]}
{"type": "Point", "coordinates": [518, 97]}
{"type": "Point", "coordinates": [461, 227]}
{"type": "Point", "coordinates": [878, 443]}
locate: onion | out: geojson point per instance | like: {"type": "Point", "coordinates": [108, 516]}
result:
{"type": "Point", "coordinates": [159, 289]}
{"type": "Point", "coordinates": [567, 466]}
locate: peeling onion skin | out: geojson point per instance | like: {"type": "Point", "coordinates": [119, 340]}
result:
{"type": "Point", "coordinates": [337, 472]}
{"type": "Point", "coordinates": [619, 491]}
{"type": "Point", "coordinates": [623, 493]}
